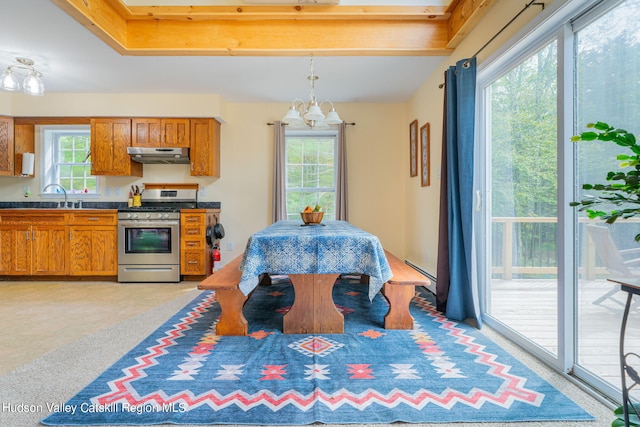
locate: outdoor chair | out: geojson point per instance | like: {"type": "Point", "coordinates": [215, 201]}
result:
{"type": "Point", "coordinates": [621, 264]}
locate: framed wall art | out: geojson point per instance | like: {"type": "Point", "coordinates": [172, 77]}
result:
{"type": "Point", "coordinates": [413, 148]}
{"type": "Point", "coordinates": [425, 155]}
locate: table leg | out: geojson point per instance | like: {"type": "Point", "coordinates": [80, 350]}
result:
{"type": "Point", "coordinates": [313, 310]}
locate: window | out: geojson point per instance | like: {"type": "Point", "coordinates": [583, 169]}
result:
{"type": "Point", "coordinates": [66, 158]}
{"type": "Point", "coordinates": [310, 171]}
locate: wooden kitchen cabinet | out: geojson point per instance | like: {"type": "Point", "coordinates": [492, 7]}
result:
{"type": "Point", "coordinates": [34, 244]}
{"type": "Point", "coordinates": [7, 164]}
{"type": "Point", "coordinates": [193, 243]}
{"type": "Point", "coordinates": [157, 132]}
{"type": "Point", "coordinates": [110, 138]}
{"type": "Point", "coordinates": [204, 153]}
{"type": "Point", "coordinates": [24, 142]}
{"type": "Point", "coordinates": [195, 253]}
{"type": "Point", "coordinates": [15, 249]}
{"type": "Point", "coordinates": [93, 243]}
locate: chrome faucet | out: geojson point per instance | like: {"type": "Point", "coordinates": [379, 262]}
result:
{"type": "Point", "coordinates": [63, 190]}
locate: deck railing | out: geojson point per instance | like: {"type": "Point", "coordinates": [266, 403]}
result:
{"type": "Point", "coordinates": [525, 247]}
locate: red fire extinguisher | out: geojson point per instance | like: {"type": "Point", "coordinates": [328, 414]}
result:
{"type": "Point", "coordinates": [215, 257]}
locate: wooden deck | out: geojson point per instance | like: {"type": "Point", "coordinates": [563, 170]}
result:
{"type": "Point", "coordinates": [530, 307]}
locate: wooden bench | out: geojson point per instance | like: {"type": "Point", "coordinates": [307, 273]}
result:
{"type": "Point", "coordinates": [399, 290]}
{"type": "Point", "coordinates": [225, 282]}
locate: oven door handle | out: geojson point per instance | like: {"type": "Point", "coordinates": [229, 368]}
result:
{"type": "Point", "coordinates": [147, 223]}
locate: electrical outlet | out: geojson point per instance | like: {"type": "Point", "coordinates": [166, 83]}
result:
{"type": "Point", "coordinates": [203, 192]}
{"type": "Point", "coordinates": [117, 191]}
{"type": "Point", "coordinates": [229, 246]}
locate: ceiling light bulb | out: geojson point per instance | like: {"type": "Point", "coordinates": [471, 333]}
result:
{"type": "Point", "coordinates": [333, 118]}
{"type": "Point", "coordinates": [291, 116]}
{"type": "Point", "coordinates": [33, 85]}
{"type": "Point", "coordinates": [315, 113]}
{"type": "Point", "coordinates": [8, 81]}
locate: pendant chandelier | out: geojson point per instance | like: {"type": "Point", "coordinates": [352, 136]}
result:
{"type": "Point", "coordinates": [309, 114]}
{"type": "Point", "coordinates": [32, 84]}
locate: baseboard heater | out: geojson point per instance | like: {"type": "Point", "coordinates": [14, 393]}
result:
{"type": "Point", "coordinates": [424, 273]}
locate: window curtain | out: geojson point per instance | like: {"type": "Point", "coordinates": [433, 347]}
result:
{"type": "Point", "coordinates": [456, 295]}
{"type": "Point", "coordinates": [279, 185]}
{"type": "Point", "coordinates": [342, 210]}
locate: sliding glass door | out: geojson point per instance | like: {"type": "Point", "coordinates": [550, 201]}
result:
{"type": "Point", "coordinates": [607, 52]}
{"type": "Point", "coordinates": [544, 281]}
{"type": "Point", "coordinates": [523, 287]}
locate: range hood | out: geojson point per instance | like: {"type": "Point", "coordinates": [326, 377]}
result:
{"type": "Point", "coordinates": [159, 155]}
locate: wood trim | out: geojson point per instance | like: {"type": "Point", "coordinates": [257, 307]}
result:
{"type": "Point", "coordinates": [101, 18]}
{"type": "Point", "coordinates": [306, 12]}
{"type": "Point", "coordinates": [164, 186]}
{"type": "Point", "coordinates": [52, 120]}
{"type": "Point", "coordinates": [465, 15]}
{"type": "Point", "coordinates": [268, 30]}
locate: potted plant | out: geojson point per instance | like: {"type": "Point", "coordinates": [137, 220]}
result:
{"type": "Point", "coordinates": [622, 188]}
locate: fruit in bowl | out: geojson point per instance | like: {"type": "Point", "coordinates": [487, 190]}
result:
{"type": "Point", "coordinates": [312, 216]}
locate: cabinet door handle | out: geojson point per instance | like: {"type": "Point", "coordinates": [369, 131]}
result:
{"type": "Point", "coordinates": [26, 235]}
{"type": "Point", "coordinates": [93, 219]}
{"type": "Point", "coordinates": [193, 262]}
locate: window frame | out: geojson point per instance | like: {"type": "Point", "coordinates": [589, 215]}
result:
{"type": "Point", "coordinates": [49, 156]}
{"type": "Point", "coordinates": [311, 133]}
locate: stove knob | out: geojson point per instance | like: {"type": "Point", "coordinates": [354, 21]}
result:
{"type": "Point", "coordinates": [148, 216]}
{"type": "Point", "coordinates": [160, 215]}
{"type": "Point", "coordinates": [166, 215]}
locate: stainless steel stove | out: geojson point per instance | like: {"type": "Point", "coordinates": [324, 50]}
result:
{"type": "Point", "coordinates": [149, 236]}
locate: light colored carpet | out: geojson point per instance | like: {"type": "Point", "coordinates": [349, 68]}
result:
{"type": "Point", "coordinates": [58, 375]}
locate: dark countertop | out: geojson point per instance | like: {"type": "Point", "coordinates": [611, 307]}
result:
{"type": "Point", "coordinates": [88, 205]}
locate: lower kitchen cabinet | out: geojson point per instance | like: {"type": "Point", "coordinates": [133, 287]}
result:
{"type": "Point", "coordinates": [94, 244]}
{"type": "Point", "coordinates": [195, 255]}
{"type": "Point", "coordinates": [60, 243]}
{"type": "Point", "coordinates": [193, 245]}
{"type": "Point", "coordinates": [34, 249]}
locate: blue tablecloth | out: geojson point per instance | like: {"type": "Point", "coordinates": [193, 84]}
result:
{"type": "Point", "coordinates": [337, 247]}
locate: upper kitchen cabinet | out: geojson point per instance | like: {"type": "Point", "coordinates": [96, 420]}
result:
{"type": "Point", "coordinates": [110, 138]}
{"type": "Point", "coordinates": [154, 132]}
{"type": "Point", "coordinates": [7, 164]}
{"type": "Point", "coordinates": [24, 142]}
{"type": "Point", "coordinates": [205, 147]}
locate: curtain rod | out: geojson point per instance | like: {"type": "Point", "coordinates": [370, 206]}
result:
{"type": "Point", "coordinates": [531, 3]}
{"type": "Point", "coordinates": [346, 123]}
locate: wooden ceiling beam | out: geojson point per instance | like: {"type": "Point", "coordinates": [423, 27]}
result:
{"type": "Point", "coordinates": [287, 38]}
{"type": "Point", "coordinates": [278, 30]}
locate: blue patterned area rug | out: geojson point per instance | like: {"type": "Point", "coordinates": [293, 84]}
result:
{"type": "Point", "coordinates": [439, 372]}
